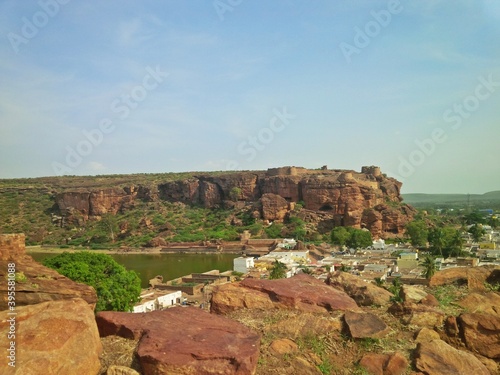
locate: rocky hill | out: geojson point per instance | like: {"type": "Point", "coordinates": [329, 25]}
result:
{"type": "Point", "coordinates": [323, 198]}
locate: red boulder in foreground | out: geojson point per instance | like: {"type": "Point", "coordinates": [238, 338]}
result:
{"type": "Point", "coordinates": [185, 341]}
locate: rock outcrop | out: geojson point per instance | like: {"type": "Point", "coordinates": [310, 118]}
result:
{"type": "Point", "coordinates": [185, 341]}
{"type": "Point", "coordinates": [474, 277]}
{"type": "Point", "coordinates": [436, 357]}
{"type": "Point", "coordinates": [366, 199]}
{"type": "Point", "coordinates": [362, 325]}
{"type": "Point", "coordinates": [384, 364]}
{"type": "Point", "coordinates": [301, 292]}
{"type": "Point", "coordinates": [34, 282]}
{"type": "Point", "coordinates": [56, 337]}
{"type": "Point", "coordinates": [481, 333]}
{"type": "Point", "coordinates": [365, 294]}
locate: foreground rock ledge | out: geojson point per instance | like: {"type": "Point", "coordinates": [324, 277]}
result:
{"type": "Point", "coordinates": [56, 337]}
{"type": "Point", "coordinates": [301, 292]}
{"type": "Point", "coordinates": [184, 341]}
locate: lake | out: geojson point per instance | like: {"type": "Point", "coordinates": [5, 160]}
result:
{"type": "Point", "coordinates": [170, 266]}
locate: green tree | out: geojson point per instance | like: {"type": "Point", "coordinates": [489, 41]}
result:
{"type": "Point", "coordinates": [474, 218]}
{"type": "Point", "coordinates": [274, 230]}
{"type": "Point", "coordinates": [437, 240]}
{"type": "Point", "coordinates": [109, 225]}
{"type": "Point", "coordinates": [429, 265]}
{"type": "Point", "coordinates": [359, 238]}
{"type": "Point", "coordinates": [117, 289]}
{"type": "Point", "coordinates": [297, 227]}
{"type": "Point", "coordinates": [454, 242]}
{"type": "Point", "coordinates": [340, 235]}
{"type": "Point", "coordinates": [395, 289]}
{"type": "Point", "coordinates": [235, 193]}
{"type": "Point", "coordinates": [278, 271]}
{"type": "Point", "coordinates": [477, 232]}
{"type": "Point", "coordinates": [417, 232]}
{"type": "Point", "coordinates": [494, 222]}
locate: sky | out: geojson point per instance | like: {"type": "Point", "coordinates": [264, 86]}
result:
{"type": "Point", "coordinates": [116, 87]}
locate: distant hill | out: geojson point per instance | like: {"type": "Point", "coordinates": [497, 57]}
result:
{"type": "Point", "coordinates": [491, 198]}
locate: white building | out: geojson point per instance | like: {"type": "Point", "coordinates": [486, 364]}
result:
{"type": "Point", "coordinates": [243, 264]}
{"type": "Point", "coordinates": [379, 244]}
{"type": "Point", "coordinates": [289, 256]}
{"type": "Point", "coordinates": [151, 301]}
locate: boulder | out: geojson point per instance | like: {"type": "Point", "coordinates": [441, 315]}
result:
{"type": "Point", "coordinates": [426, 334]}
{"type": "Point", "coordinates": [411, 293]}
{"type": "Point", "coordinates": [35, 283]}
{"type": "Point", "coordinates": [438, 358]}
{"type": "Point", "coordinates": [280, 347]}
{"type": "Point", "coordinates": [273, 206]}
{"type": "Point", "coordinates": [363, 325]}
{"type": "Point", "coordinates": [417, 314]}
{"type": "Point", "coordinates": [300, 292]}
{"type": "Point", "coordinates": [56, 337]}
{"type": "Point", "coordinates": [473, 277]}
{"type": "Point", "coordinates": [230, 297]}
{"type": "Point", "coordinates": [365, 294]}
{"type": "Point", "coordinates": [482, 303]}
{"type": "Point", "coordinates": [481, 333]}
{"type": "Point", "coordinates": [185, 341]}
{"type": "Point", "coordinates": [384, 364]}
{"type": "Point", "coordinates": [429, 300]}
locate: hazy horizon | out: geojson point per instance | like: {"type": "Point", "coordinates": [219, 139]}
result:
{"type": "Point", "coordinates": [157, 87]}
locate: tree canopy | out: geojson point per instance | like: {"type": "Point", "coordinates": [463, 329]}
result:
{"type": "Point", "coordinates": [117, 288]}
{"type": "Point", "coordinates": [477, 231]}
{"type": "Point", "coordinates": [351, 237]}
{"type": "Point", "coordinates": [417, 232]}
{"type": "Point", "coordinates": [278, 271]}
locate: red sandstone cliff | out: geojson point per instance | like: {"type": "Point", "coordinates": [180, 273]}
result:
{"type": "Point", "coordinates": [366, 199]}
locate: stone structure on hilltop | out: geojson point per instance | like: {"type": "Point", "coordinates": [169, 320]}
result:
{"type": "Point", "coordinates": [331, 197]}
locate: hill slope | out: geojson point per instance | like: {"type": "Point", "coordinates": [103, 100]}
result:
{"type": "Point", "coordinates": [134, 210]}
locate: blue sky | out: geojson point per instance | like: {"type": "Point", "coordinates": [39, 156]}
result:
{"type": "Point", "coordinates": [167, 86]}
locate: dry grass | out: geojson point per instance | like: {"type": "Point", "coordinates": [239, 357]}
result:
{"type": "Point", "coordinates": [120, 352]}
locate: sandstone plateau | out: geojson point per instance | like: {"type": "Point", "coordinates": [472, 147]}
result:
{"type": "Point", "coordinates": [366, 199]}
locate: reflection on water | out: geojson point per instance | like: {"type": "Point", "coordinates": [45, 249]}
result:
{"type": "Point", "coordinates": [169, 266]}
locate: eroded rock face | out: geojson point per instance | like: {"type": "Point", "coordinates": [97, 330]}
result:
{"type": "Point", "coordinates": [474, 277]}
{"type": "Point", "coordinates": [365, 294]}
{"type": "Point", "coordinates": [273, 206]}
{"type": "Point", "coordinates": [300, 292]}
{"type": "Point", "coordinates": [436, 357]}
{"type": "Point", "coordinates": [365, 199]}
{"type": "Point", "coordinates": [185, 341]}
{"type": "Point", "coordinates": [481, 333]}
{"type": "Point", "coordinates": [56, 337]}
{"type": "Point", "coordinates": [35, 283]}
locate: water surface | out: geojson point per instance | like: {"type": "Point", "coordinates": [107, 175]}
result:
{"type": "Point", "coordinates": [170, 266]}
